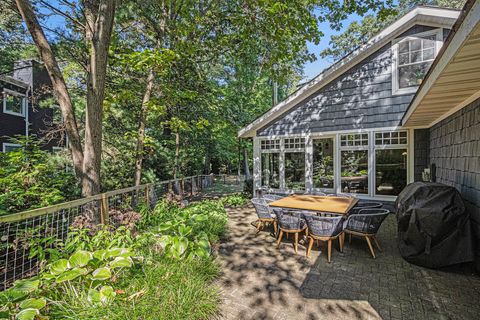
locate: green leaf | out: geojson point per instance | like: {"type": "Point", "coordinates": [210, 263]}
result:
{"type": "Point", "coordinates": [59, 266]}
{"type": "Point", "coordinates": [107, 294]}
{"type": "Point", "coordinates": [26, 285]}
{"type": "Point", "coordinates": [33, 303]}
{"type": "Point", "coordinates": [121, 262]}
{"type": "Point", "coordinates": [93, 296]}
{"type": "Point", "coordinates": [12, 295]}
{"type": "Point", "coordinates": [80, 258]}
{"type": "Point", "coordinates": [100, 254]}
{"type": "Point", "coordinates": [70, 274]}
{"type": "Point", "coordinates": [27, 314]}
{"type": "Point", "coordinates": [102, 274]}
{"type": "Point", "coordinates": [119, 252]}
{"type": "Point", "coordinates": [184, 230]}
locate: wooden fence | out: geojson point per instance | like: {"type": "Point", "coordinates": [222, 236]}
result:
{"type": "Point", "coordinates": [21, 232]}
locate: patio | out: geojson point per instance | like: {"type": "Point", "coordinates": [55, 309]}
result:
{"type": "Point", "coordinates": [260, 281]}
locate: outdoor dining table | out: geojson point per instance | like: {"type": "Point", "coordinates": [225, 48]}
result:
{"type": "Point", "coordinates": [338, 205]}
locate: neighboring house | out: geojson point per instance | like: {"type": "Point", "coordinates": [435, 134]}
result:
{"type": "Point", "coordinates": [341, 133]}
{"type": "Point", "coordinates": [22, 111]}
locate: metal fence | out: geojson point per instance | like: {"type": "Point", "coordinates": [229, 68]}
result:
{"type": "Point", "coordinates": [25, 236]}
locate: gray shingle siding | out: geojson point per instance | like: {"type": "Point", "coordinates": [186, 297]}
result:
{"type": "Point", "coordinates": [360, 98]}
{"type": "Point", "coordinates": [455, 150]}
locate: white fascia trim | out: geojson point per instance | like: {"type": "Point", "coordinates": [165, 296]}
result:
{"type": "Point", "coordinates": [420, 15]}
{"type": "Point", "coordinates": [468, 24]}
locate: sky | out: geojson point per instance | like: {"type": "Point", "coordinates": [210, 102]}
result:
{"type": "Point", "coordinates": [312, 69]}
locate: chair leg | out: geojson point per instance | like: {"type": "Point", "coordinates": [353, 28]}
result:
{"type": "Point", "coordinates": [370, 245]}
{"type": "Point", "coordinates": [259, 224]}
{"type": "Point", "coordinates": [376, 242]}
{"type": "Point", "coordinates": [309, 249]}
{"type": "Point", "coordinates": [329, 249]}
{"type": "Point", "coordinates": [275, 230]}
{"type": "Point", "coordinates": [350, 238]}
{"type": "Point", "coordinates": [341, 238]}
{"type": "Point", "coordinates": [295, 243]}
{"type": "Point", "coordinates": [280, 236]}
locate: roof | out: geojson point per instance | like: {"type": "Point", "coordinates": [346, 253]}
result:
{"type": "Point", "coordinates": [440, 17]}
{"type": "Point", "coordinates": [453, 80]}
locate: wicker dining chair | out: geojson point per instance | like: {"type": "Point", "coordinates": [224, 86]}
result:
{"type": "Point", "coordinates": [264, 214]}
{"type": "Point", "coordinates": [365, 205]}
{"type": "Point", "coordinates": [340, 195]}
{"type": "Point", "coordinates": [324, 229]}
{"type": "Point", "coordinates": [315, 193]}
{"type": "Point", "coordinates": [291, 222]}
{"type": "Point", "coordinates": [272, 197]}
{"type": "Point", "coordinates": [365, 224]}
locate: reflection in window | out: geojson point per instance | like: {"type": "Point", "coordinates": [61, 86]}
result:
{"type": "Point", "coordinates": [13, 103]}
{"type": "Point", "coordinates": [415, 56]}
{"type": "Point", "coordinates": [354, 166]}
{"type": "Point", "coordinates": [391, 171]}
{"type": "Point", "coordinates": [323, 163]}
{"type": "Point", "coordinates": [270, 170]}
{"type": "Point", "coordinates": [295, 170]}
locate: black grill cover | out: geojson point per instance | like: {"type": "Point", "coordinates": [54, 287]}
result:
{"type": "Point", "coordinates": [433, 227]}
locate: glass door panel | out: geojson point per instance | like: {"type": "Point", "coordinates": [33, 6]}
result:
{"type": "Point", "coordinates": [323, 163]}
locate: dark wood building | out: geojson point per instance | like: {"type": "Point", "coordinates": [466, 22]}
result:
{"type": "Point", "coordinates": [27, 107]}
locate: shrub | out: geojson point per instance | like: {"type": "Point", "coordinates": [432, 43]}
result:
{"type": "Point", "coordinates": [32, 178]}
{"type": "Point", "coordinates": [234, 200]}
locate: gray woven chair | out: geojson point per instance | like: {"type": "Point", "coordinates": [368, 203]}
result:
{"type": "Point", "coordinates": [264, 214]}
{"type": "Point", "coordinates": [324, 229]}
{"type": "Point", "coordinates": [365, 224]}
{"type": "Point", "coordinates": [340, 195]}
{"type": "Point", "coordinates": [365, 205]}
{"type": "Point", "coordinates": [292, 222]}
{"type": "Point", "coordinates": [315, 193]}
{"type": "Point", "coordinates": [272, 197]}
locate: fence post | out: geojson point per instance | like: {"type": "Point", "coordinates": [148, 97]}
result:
{"type": "Point", "coordinates": [182, 185]}
{"type": "Point", "coordinates": [147, 195]}
{"type": "Point", "coordinates": [224, 179]}
{"type": "Point", "coordinates": [191, 186]}
{"type": "Point", "coordinates": [104, 209]}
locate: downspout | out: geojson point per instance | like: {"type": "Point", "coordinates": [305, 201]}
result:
{"type": "Point", "coordinates": [27, 111]}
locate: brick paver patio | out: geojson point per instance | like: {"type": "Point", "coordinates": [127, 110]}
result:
{"type": "Point", "coordinates": [260, 281]}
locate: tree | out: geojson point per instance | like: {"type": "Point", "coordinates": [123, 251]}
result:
{"type": "Point", "coordinates": [98, 19]}
{"type": "Point", "coordinates": [359, 33]}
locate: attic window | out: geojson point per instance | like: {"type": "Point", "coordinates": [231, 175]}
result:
{"type": "Point", "coordinates": [413, 56]}
{"type": "Point", "coordinates": [13, 103]}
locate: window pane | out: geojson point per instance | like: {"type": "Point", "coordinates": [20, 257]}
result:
{"type": "Point", "coordinates": [295, 170]}
{"type": "Point", "coordinates": [270, 170]}
{"type": "Point", "coordinates": [415, 44]}
{"type": "Point", "coordinates": [391, 171]}
{"type": "Point", "coordinates": [429, 42]}
{"type": "Point", "coordinates": [9, 148]}
{"type": "Point", "coordinates": [14, 103]}
{"type": "Point", "coordinates": [323, 163]}
{"type": "Point", "coordinates": [416, 56]}
{"type": "Point", "coordinates": [403, 47]}
{"type": "Point", "coordinates": [412, 75]}
{"type": "Point", "coordinates": [404, 58]}
{"type": "Point", "coordinates": [428, 54]}
{"type": "Point", "coordinates": [354, 171]}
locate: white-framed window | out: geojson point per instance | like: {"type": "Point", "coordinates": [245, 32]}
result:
{"type": "Point", "coordinates": [13, 103]}
{"type": "Point", "coordinates": [354, 139]}
{"type": "Point", "coordinates": [57, 149]}
{"type": "Point", "coordinates": [391, 138]}
{"type": "Point", "coordinates": [273, 144]}
{"type": "Point", "coordinates": [412, 58]}
{"type": "Point", "coordinates": [7, 147]}
{"type": "Point", "coordinates": [294, 143]}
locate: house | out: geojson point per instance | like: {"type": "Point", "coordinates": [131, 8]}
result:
{"type": "Point", "coordinates": [342, 132]}
{"type": "Point", "coordinates": [446, 111]}
{"type": "Point", "coordinates": [27, 107]}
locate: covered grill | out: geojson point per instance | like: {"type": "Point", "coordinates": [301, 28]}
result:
{"type": "Point", "coordinates": [433, 226]}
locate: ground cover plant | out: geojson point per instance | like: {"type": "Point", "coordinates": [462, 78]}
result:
{"type": "Point", "coordinates": [160, 268]}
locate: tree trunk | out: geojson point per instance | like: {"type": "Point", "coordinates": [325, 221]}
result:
{"type": "Point", "coordinates": [137, 176]}
{"type": "Point", "coordinates": [177, 154]}
{"type": "Point", "coordinates": [60, 90]}
{"type": "Point", "coordinates": [99, 20]}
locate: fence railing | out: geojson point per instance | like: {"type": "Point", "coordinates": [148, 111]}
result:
{"type": "Point", "coordinates": [24, 235]}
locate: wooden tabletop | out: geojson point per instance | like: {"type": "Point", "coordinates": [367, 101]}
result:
{"type": "Point", "coordinates": [316, 203]}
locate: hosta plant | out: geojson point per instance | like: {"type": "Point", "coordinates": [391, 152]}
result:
{"type": "Point", "coordinates": [23, 301]}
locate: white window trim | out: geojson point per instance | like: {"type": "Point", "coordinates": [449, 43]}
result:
{"type": "Point", "coordinates": [5, 145]}
{"type": "Point", "coordinates": [438, 44]}
{"type": "Point", "coordinates": [14, 93]}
